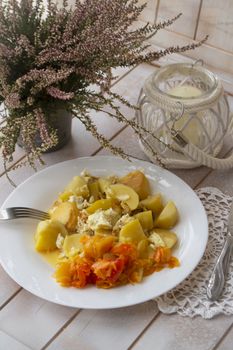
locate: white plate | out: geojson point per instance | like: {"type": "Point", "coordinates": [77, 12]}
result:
{"type": "Point", "coordinates": [29, 270]}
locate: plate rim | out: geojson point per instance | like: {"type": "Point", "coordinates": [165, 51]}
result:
{"type": "Point", "coordinates": [128, 303]}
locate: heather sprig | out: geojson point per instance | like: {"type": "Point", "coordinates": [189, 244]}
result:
{"type": "Point", "coordinates": [55, 56]}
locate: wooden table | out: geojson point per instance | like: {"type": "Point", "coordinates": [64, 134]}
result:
{"type": "Point", "coordinates": [28, 322]}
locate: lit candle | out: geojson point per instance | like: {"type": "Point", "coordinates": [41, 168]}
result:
{"type": "Point", "coordinates": [191, 130]}
{"type": "Point", "coordinates": [185, 91]}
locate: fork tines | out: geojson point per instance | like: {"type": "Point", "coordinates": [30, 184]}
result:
{"type": "Point", "coordinates": [22, 212]}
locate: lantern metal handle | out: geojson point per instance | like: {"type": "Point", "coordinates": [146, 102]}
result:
{"type": "Point", "coordinates": [197, 155]}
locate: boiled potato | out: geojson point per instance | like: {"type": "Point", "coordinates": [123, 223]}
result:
{"type": "Point", "coordinates": [67, 214]}
{"type": "Point", "coordinates": [169, 237]}
{"type": "Point", "coordinates": [124, 194]}
{"type": "Point", "coordinates": [64, 196]}
{"type": "Point", "coordinates": [103, 204]}
{"type": "Point", "coordinates": [153, 203]}
{"type": "Point", "coordinates": [94, 189]}
{"type": "Point", "coordinates": [72, 244]}
{"type": "Point", "coordinates": [104, 184]}
{"type": "Point", "coordinates": [155, 240]}
{"type": "Point", "coordinates": [46, 235]}
{"type": "Point", "coordinates": [138, 182]}
{"type": "Point", "coordinates": [146, 219]}
{"type": "Point", "coordinates": [132, 233]}
{"type": "Point", "coordinates": [168, 217]}
{"type": "Point", "coordinates": [143, 249]}
{"type": "Point", "coordinates": [78, 186]}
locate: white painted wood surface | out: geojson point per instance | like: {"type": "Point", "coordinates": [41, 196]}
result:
{"type": "Point", "coordinates": [200, 17]}
{"type": "Point", "coordinates": [186, 24]}
{"type": "Point", "coordinates": [28, 322]}
{"type": "Point", "coordinates": [149, 13]}
{"type": "Point", "coordinates": [216, 20]}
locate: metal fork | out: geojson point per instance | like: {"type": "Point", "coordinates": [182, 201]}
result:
{"type": "Point", "coordinates": [22, 212]}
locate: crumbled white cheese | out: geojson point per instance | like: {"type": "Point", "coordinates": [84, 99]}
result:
{"type": "Point", "coordinates": [125, 219]}
{"type": "Point", "coordinates": [72, 199]}
{"type": "Point", "coordinates": [59, 241]}
{"type": "Point", "coordinates": [83, 205]}
{"type": "Point", "coordinates": [156, 241]}
{"type": "Point", "coordinates": [81, 202]}
{"type": "Point", "coordinates": [91, 199]}
{"type": "Point", "coordinates": [102, 219]}
{"type": "Point", "coordinates": [112, 215]}
{"type": "Point", "coordinates": [83, 227]}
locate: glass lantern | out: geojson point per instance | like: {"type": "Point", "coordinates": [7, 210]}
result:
{"type": "Point", "coordinates": [189, 100]}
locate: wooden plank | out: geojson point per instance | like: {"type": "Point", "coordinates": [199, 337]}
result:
{"type": "Point", "coordinates": [32, 321]}
{"type": "Point", "coordinates": [106, 329]}
{"type": "Point", "coordinates": [8, 287]}
{"type": "Point", "coordinates": [23, 304]}
{"type": "Point", "coordinates": [212, 56]}
{"type": "Point", "coordinates": [182, 333]}
{"type": "Point", "coordinates": [216, 20]}
{"type": "Point", "coordinates": [221, 179]}
{"type": "Point", "coordinates": [226, 342]}
{"type": "Point", "coordinates": [7, 342]}
{"type": "Point", "coordinates": [186, 24]}
{"type": "Point", "coordinates": [149, 13]}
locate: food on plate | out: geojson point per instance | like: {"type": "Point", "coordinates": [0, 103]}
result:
{"type": "Point", "coordinates": [153, 203]}
{"type": "Point", "coordinates": [166, 238]}
{"type": "Point", "coordinates": [146, 219]}
{"type": "Point", "coordinates": [108, 231]}
{"type": "Point", "coordinates": [67, 214]}
{"type": "Point", "coordinates": [138, 182]}
{"type": "Point", "coordinates": [47, 233]}
{"type": "Point", "coordinates": [168, 216]}
{"type": "Point", "coordinates": [132, 233]}
{"type": "Point", "coordinates": [124, 194]}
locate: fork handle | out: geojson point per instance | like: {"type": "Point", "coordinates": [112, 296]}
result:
{"type": "Point", "coordinates": [217, 279]}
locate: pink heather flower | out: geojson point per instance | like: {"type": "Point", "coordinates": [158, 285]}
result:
{"type": "Point", "coordinates": [13, 100]}
{"type": "Point", "coordinates": [58, 55]}
{"type": "Point", "coordinates": [59, 94]}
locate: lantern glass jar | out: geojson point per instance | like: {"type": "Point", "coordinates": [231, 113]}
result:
{"type": "Point", "coordinates": [190, 99]}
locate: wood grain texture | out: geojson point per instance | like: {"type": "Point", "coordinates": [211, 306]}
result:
{"type": "Point", "coordinates": [227, 341]}
{"type": "Point", "coordinates": [8, 287]}
{"type": "Point", "coordinates": [181, 333]}
{"type": "Point", "coordinates": [212, 56]}
{"type": "Point", "coordinates": [7, 342]}
{"type": "Point", "coordinates": [149, 13]}
{"type": "Point", "coordinates": [27, 322]}
{"type": "Point", "coordinates": [106, 329]}
{"type": "Point", "coordinates": [186, 24]}
{"type": "Point", "coordinates": [33, 321]}
{"type": "Point", "coordinates": [216, 19]}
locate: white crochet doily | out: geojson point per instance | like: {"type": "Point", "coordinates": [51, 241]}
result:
{"type": "Point", "coordinates": [189, 298]}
